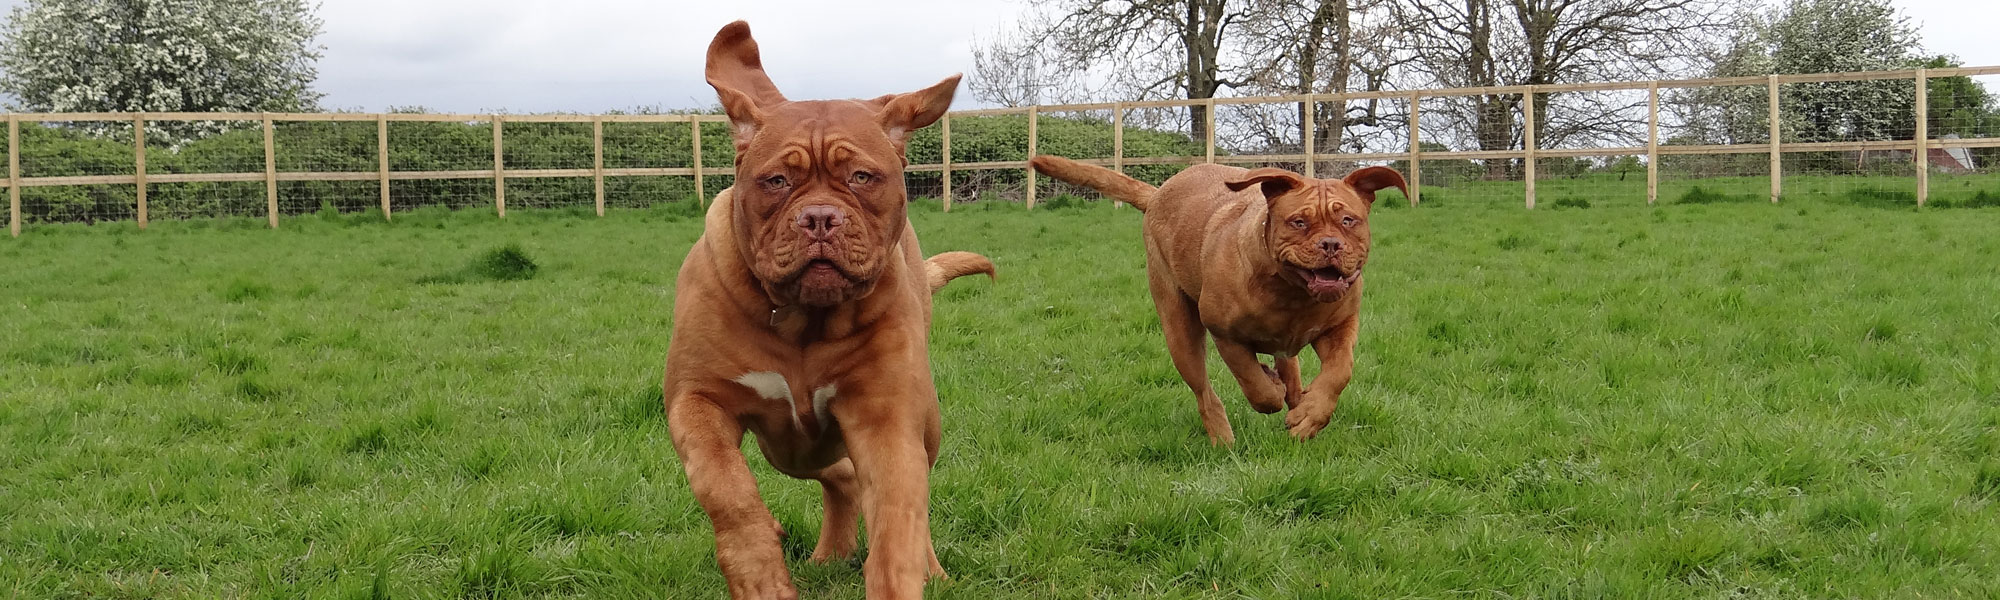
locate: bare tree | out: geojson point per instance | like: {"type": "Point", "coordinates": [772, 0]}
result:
{"type": "Point", "coordinates": [1727, 114]}
{"type": "Point", "coordinates": [1323, 47]}
{"type": "Point", "coordinates": [1147, 48]}
{"type": "Point", "coordinates": [1008, 72]}
{"type": "Point", "coordinates": [1477, 43]}
{"type": "Point", "coordinates": [1200, 48]}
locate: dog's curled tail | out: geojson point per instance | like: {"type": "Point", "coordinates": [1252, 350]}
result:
{"type": "Point", "coordinates": [1106, 181]}
{"type": "Point", "coordinates": [943, 268]}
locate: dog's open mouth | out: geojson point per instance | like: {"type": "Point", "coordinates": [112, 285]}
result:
{"type": "Point", "coordinates": [1328, 283]}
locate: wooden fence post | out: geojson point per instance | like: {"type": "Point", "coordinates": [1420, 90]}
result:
{"type": "Point", "coordinates": [1034, 114]}
{"type": "Point", "coordinates": [1923, 136]}
{"type": "Point", "coordinates": [1209, 135]}
{"type": "Point", "coordinates": [1528, 144]}
{"type": "Point", "coordinates": [1309, 132]}
{"type": "Point", "coordinates": [499, 171]}
{"type": "Point", "coordinates": [1117, 142]}
{"type": "Point", "coordinates": [700, 188]}
{"type": "Point", "coordinates": [139, 162]}
{"type": "Point", "coordinates": [14, 173]}
{"type": "Point", "coordinates": [382, 161]}
{"type": "Point", "coordinates": [1777, 158]}
{"type": "Point", "coordinates": [1652, 142]}
{"type": "Point", "coordinates": [944, 158]}
{"type": "Point", "coordinates": [270, 170]}
{"type": "Point", "coordinates": [597, 160]}
{"type": "Point", "coordinates": [1416, 178]}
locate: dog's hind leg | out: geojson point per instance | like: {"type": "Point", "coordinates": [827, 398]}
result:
{"type": "Point", "coordinates": [1288, 374]}
{"type": "Point", "coordinates": [1187, 342]}
{"type": "Point", "coordinates": [709, 442]}
{"type": "Point", "coordinates": [1261, 385]}
{"type": "Point", "coordinates": [838, 534]}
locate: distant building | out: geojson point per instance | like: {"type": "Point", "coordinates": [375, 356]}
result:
{"type": "Point", "coordinates": [1942, 160]}
{"type": "Point", "coordinates": [1952, 160]}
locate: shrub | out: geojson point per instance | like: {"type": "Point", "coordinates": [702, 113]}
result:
{"type": "Point", "coordinates": [1981, 199]}
{"type": "Point", "coordinates": [506, 263]}
{"type": "Point", "coordinates": [1881, 198]}
{"type": "Point", "coordinates": [1701, 195]}
{"type": "Point", "coordinates": [1062, 202]}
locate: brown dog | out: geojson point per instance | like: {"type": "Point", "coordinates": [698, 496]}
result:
{"type": "Point", "coordinates": [802, 315]}
{"type": "Point", "coordinates": [1267, 261]}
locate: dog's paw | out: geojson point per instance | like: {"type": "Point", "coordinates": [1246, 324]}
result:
{"type": "Point", "coordinates": [1266, 399]}
{"type": "Point", "coordinates": [831, 557]}
{"type": "Point", "coordinates": [937, 569]}
{"type": "Point", "coordinates": [1305, 430]}
{"type": "Point", "coordinates": [1307, 420]}
{"type": "Point", "coordinates": [764, 587]}
{"type": "Point", "coordinates": [1266, 396]}
{"type": "Point", "coordinates": [1223, 439]}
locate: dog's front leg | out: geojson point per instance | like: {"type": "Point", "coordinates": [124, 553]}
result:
{"type": "Point", "coordinates": [1336, 368]}
{"type": "Point", "coordinates": [892, 437]}
{"type": "Point", "coordinates": [709, 442]}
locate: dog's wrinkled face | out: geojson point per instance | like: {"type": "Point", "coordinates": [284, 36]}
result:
{"type": "Point", "coordinates": [819, 195]}
{"type": "Point", "coordinates": [1318, 228]}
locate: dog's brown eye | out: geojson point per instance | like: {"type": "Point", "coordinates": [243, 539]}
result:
{"type": "Point", "coordinates": [1298, 223]}
{"type": "Point", "coordinates": [1348, 221]}
{"type": "Point", "coordinates": [862, 177]}
{"type": "Point", "coordinates": [776, 182]}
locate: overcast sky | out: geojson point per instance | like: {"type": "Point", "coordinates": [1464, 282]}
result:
{"type": "Point", "coordinates": [593, 55]}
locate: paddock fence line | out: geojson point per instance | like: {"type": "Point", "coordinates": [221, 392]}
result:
{"type": "Point", "coordinates": [1280, 118]}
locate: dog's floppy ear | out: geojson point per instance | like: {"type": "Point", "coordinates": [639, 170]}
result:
{"type": "Point", "coordinates": [903, 113]}
{"type": "Point", "coordinates": [1273, 181]}
{"type": "Point", "coordinates": [1366, 181]}
{"type": "Point", "coordinates": [736, 71]}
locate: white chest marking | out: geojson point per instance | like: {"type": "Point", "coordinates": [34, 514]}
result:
{"type": "Point", "coordinates": [821, 397]}
{"type": "Point", "coordinates": [770, 385]}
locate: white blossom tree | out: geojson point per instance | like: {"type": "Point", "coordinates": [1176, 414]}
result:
{"type": "Point", "coordinates": [1813, 36]}
{"type": "Point", "coordinates": [161, 56]}
{"type": "Point", "coordinates": [1832, 36]}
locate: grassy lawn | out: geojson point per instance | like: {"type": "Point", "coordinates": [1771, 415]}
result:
{"type": "Point", "coordinates": [1685, 401]}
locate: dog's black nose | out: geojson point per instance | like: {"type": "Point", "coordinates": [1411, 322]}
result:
{"type": "Point", "coordinates": [1330, 246]}
{"type": "Point", "coordinates": [819, 221]}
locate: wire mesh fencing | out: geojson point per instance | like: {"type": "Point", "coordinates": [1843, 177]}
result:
{"type": "Point", "coordinates": [1889, 138]}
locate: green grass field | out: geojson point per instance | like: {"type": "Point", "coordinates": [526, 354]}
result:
{"type": "Point", "coordinates": [1721, 400]}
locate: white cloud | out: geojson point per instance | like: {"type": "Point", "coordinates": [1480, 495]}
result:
{"type": "Point", "coordinates": [1957, 27]}
{"type": "Point", "coordinates": [588, 55]}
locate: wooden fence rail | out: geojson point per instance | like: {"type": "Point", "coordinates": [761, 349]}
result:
{"type": "Point", "coordinates": [1529, 153]}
